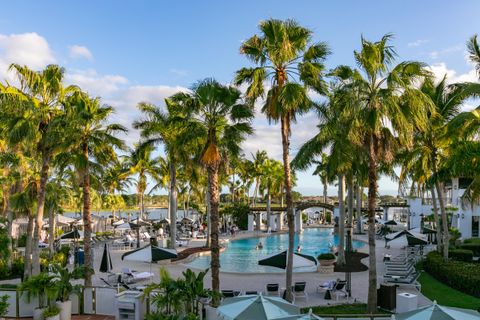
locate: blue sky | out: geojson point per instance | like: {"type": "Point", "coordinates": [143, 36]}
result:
{"type": "Point", "coordinates": [131, 51]}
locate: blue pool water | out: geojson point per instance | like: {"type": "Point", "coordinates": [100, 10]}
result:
{"type": "Point", "coordinates": [241, 255]}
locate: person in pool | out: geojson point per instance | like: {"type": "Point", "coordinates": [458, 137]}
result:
{"type": "Point", "coordinates": [259, 245]}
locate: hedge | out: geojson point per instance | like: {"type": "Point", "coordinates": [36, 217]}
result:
{"type": "Point", "coordinates": [472, 240]}
{"type": "Point", "coordinates": [462, 276]}
{"type": "Point", "coordinates": [475, 247]}
{"type": "Point", "coordinates": [461, 255]}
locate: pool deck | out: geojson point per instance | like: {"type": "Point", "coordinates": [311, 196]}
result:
{"type": "Point", "coordinates": [258, 281]}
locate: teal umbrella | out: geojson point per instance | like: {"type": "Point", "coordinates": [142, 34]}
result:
{"type": "Point", "coordinates": [438, 312]}
{"type": "Point", "coordinates": [256, 307]}
{"type": "Point", "coordinates": [305, 316]}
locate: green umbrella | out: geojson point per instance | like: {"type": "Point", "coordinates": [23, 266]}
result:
{"type": "Point", "coordinates": [256, 307]}
{"type": "Point", "coordinates": [149, 254]}
{"type": "Point", "coordinates": [106, 264]}
{"type": "Point", "coordinates": [305, 316]}
{"type": "Point", "coordinates": [438, 312]}
{"type": "Point", "coordinates": [414, 241]}
{"type": "Point", "coordinates": [279, 260]}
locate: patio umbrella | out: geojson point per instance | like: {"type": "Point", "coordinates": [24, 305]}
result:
{"type": "Point", "coordinates": [390, 223]}
{"type": "Point", "coordinates": [256, 307]}
{"type": "Point", "coordinates": [414, 241]}
{"type": "Point", "coordinates": [279, 260]}
{"type": "Point", "coordinates": [123, 226]}
{"type": "Point", "coordinates": [438, 312]}
{"type": "Point", "coordinates": [149, 254]}
{"type": "Point", "coordinates": [305, 316]}
{"type": "Point", "coordinates": [75, 234]}
{"type": "Point", "coordinates": [118, 222]}
{"type": "Point", "coordinates": [106, 264]}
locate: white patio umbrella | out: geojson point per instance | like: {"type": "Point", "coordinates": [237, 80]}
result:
{"type": "Point", "coordinates": [438, 312]}
{"type": "Point", "coordinates": [256, 307]}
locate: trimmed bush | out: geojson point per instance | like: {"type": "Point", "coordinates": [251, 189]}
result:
{"type": "Point", "coordinates": [475, 247]}
{"type": "Point", "coordinates": [461, 255]}
{"type": "Point", "coordinates": [460, 275]}
{"type": "Point", "coordinates": [326, 256]}
{"type": "Point", "coordinates": [472, 240]}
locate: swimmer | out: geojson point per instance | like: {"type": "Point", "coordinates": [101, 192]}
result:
{"type": "Point", "coordinates": [299, 249]}
{"type": "Point", "coordinates": [260, 245]}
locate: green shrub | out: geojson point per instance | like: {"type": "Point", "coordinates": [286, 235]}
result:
{"type": "Point", "coordinates": [460, 275]}
{"type": "Point", "coordinates": [475, 247]}
{"type": "Point", "coordinates": [239, 213]}
{"type": "Point", "coordinates": [461, 255]}
{"type": "Point", "coordinates": [326, 256]}
{"type": "Point", "coordinates": [51, 312]}
{"type": "Point", "coordinates": [22, 241]}
{"type": "Point", "coordinates": [3, 305]}
{"type": "Point", "coordinates": [472, 240]}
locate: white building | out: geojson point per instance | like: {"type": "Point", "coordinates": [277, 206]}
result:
{"type": "Point", "coordinates": [464, 216]}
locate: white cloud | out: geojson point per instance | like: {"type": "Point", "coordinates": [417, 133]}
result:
{"type": "Point", "coordinates": [93, 83]}
{"type": "Point", "coordinates": [28, 49]}
{"type": "Point", "coordinates": [440, 70]}
{"type": "Point", "coordinates": [438, 53]}
{"type": "Point", "coordinates": [77, 51]}
{"type": "Point", "coordinates": [417, 43]}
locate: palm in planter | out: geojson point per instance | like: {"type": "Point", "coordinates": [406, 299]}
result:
{"type": "Point", "coordinates": [51, 313]}
{"type": "Point", "coordinates": [63, 287]}
{"type": "Point", "coordinates": [42, 287]}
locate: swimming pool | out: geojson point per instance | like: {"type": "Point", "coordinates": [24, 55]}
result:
{"type": "Point", "coordinates": [241, 255]}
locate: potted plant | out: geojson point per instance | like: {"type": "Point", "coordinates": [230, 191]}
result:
{"type": "Point", "coordinates": [3, 306]}
{"type": "Point", "coordinates": [51, 313]}
{"type": "Point", "coordinates": [326, 259]}
{"type": "Point", "coordinates": [40, 286]}
{"type": "Point", "coordinates": [62, 284]}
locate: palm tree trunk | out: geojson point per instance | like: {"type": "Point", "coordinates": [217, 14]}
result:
{"type": "Point", "coordinates": [437, 219]}
{"type": "Point", "coordinates": [341, 220]}
{"type": "Point", "coordinates": [51, 231]}
{"type": "Point", "coordinates": [372, 199]}
{"type": "Point", "coordinates": [87, 221]}
{"type": "Point", "coordinates": [214, 246]}
{"type": "Point", "coordinates": [269, 210]}
{"type": "Point", "coordinates": [173, 203]}
{"type": "Point", "coordinates": [285, 126]}
{"type": "Point", "coordinates": [209, 213]}
{"type": "Point", "coordinates": [9, 216]}
{"type": "Point", "coordinates": [445, 231]}
{"type": "Point", "coordinates": [359, 208]}
{"type": "Point", "coordinates": [28, 246]}
{"type": "Point", "coordinates": [325, 183]}
{"type": "Point", "coordinates": [350, 208]}
{"type": "Point", "coordinates": [255, 193]}
{"type": "Point", "coordinates": [39, 216]}
{"type": "Point", "coordinates": [441, 201]}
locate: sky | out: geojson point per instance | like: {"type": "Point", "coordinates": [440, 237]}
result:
{"type": "Point", "coordinates": [132, 51]}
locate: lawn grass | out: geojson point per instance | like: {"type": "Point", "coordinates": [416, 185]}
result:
{"type": "Point", "coordinates": [354, 308]}
{"type": "Point", "coordinates": [445, 295]}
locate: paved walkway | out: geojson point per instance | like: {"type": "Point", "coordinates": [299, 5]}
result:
{"type": "Point", "coordinates": [243, 282]}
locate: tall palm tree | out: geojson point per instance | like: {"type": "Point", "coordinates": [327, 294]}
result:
{"type": "Point", "coordinates": [272, 178]}
{"type": "Point", "coordinates": [286, 58]}
{"type": "Point", "coordinates": [33, 112]}
{"type": "Point", "coordinates": [387, 108]}
{"type": "Point", "coordinates": [217, 115]}
{"type": "Point", "coordinates": [258, 160]}
{"type": "Point", "coordinates": [163, 127]}
{"type": "Point", "coordinates": [92, 144]}
{"type": "Point", "coordinates": [321, 171]}
{"type": "Point", "coordinates": [333, 134]}
{"type": "Point", "coordinates": [431, 145]}
{"type": "Point", "coordinates": [474, 52]}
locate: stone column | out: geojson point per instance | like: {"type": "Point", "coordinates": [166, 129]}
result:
{"type": "Point", "coordinates": [250, 222]}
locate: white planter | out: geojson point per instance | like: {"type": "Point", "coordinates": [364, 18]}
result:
{"type": "Point", "coordinates": [211, 313]}
{"type": "Point", "coordinates": [38, 313]}
{"type": "Point", "coordinates": [65, 309]}
{"type": "Point", "coordinates": [55, 317]}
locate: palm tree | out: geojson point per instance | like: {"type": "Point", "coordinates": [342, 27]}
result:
{"type": "Point", "coordinates": [321, 171]}
{"type": "Point", "coordinates": [33, 113]}
{"type": "Point", "coordinates": [474, 52]}
{"type": "Point", "coordinates": [258, 161]}
{"type": "Point", "coordinates": [332, 133]}
{"type": "Point", "coordinates": [217, 115]}
{"type": "Point", "coordinates": [92, 144]}
{"type": "Point", "coordinates": [163, 127]}
{"type": "Point", "coordinates": [284, 57]}
{"type": "Point", "coordinates": [272, 178]}
{"type": "Point", "coordinates": [431, 145]}
{"type": "Point", "coordinates": [387, 108]}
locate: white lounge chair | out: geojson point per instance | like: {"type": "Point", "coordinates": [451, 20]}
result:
{"type": "Point", "coordinates": [132, 276]}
